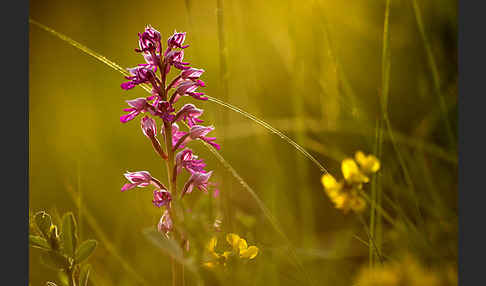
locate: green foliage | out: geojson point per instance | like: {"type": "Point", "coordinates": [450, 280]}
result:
{"type": "Point", "coordinates": [69, 234]}
{"type": "Point", "coordinates": [60, 251]}
{"type": "Point", "coordinates": [38, 242]}
{"type": "Point", "coordinates": [169, 246]}
{"type": "Point", "coordinates": [43, 222]}
{"type": "Point", "coordinates": [55, 260]}
{"type": "Point", "coordinates": [85, 250]}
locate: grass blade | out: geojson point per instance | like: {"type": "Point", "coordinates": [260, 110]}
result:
{"type": "Point", "coordinates": [434, 70]}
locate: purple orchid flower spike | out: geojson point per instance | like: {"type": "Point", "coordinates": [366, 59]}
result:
{"type": "Point", "coordinates": [197, 180]}
{"type": "Point", "coordinates": [141, 179]}
{"type": "Point", "coordinates": [177, 135]}
{"type": "Point", "coordinates": [149, 41]}
{"type": "Point", "coordinates": [187, 160]}
{"type": "Point", "coordinates": [196, 132]}
{"type": "Point", "coordinates": [188, 87]}
{"type": "Point", "coordinates": [165, 224]}
{"type": "Point", "coordinates": [189, 113]}
{"type": "Point", "coordinates": [138, 106]}
{"type": "Point", "coordinates": [161, 198]}
{"type": "Point", "coordinates": [139, 75]}
{"type": "Point", "coordinates": [199, 132]}
{"type": "Point", "coordinates": [164, 110]}
{"type": "Point", "coordinates": [189, 74]}
{"type": "Point", "coordinates": [159, 105]}
{"type": "Point", "coordinates": [192, 73]}
{"type": "Point", "coordinates": [152, 61]}
{"type": "Point", "coordinates": [174, 58]}
{"type": "Point", "coordinates": [176, 41]}
{"type": "Point", "coordinates": [149, 128]}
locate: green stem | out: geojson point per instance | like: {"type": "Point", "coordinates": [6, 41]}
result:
{"type": "Point", "coordinates": [72, 281]}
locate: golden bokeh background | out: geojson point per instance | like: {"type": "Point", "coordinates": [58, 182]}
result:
{"type": "Point", "coordinates": [312, 69]}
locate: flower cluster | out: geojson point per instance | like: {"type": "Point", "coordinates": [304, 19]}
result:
{"type": "Point", "coordinates": [345, 194]}
{"type": "Point", "coordinates": [161, 104]}
{"type": "Point", "coordinates": [239, 250]}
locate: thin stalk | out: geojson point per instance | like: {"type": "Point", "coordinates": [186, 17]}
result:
{"type": "Point", "coordinates": [173, 268]}
{"type": "Point", "coordinates": [380, 210]}
{"type": "Point", "coordinates": [80, 200]}
{"type": "Point", "coordinates": [370, 238]}
{"type": "Point", "coordinates": [434, 70]}
{"type": "Point", "coordinates": [223, 65]}
{"type": "Point", "coordinates": [371, 254]}
{"type": "Point", "coordinates": [72, 281]}
{"type": "Point", "coordinates": [379, 189]}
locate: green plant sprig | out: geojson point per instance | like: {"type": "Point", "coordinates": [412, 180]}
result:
{"type": "Point", "coordinates": [61, 249]}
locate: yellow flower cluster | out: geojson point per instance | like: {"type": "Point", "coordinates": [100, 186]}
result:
{"type": "Point", "coordinates": [408, 271]}
{"type": "Point", "coordinates": [345, 193]}
{"type": "Point", "coordinates": [239, 249]}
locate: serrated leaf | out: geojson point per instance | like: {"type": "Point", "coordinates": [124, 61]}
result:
{"type": "Point", "coordinates": [170, 247]}
{"type": "Point", "coordinates": [43, 221]}
{"type": "Point", "coordinates": [85, 250]}
{"type": "Point", "coordinates": [55, 260]}
{"type": "Point", "coordinates": [38, 242]}
{"type": "Point", "coordinates": [84, 275]}
{"type": "Point", "coordinates": [69, 234]}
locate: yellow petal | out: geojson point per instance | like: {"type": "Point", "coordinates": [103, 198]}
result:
{"type": "Point", "coordinates": [242, 245]}
{"type": "Point", "coordinates": [333, 193]}
{"type": "Point", "coordinates": [209, 265]}
{"type": "Point", "coordinates": [212, 244]}
{"type": "Point", "coordinates": [226, 254]}
{"type": "Point", "coordinates": [233, 239]}
{"type": "Point", "coordinates": [340, 201]}
{"type": "Point", "coordinates": [328, 181]}
{"type": "Point", "coordinates": [352, 173]}
{"type": "Point", "coordinates": [369, 164]}
{"type": "Point", "coordinates": [249, 252]}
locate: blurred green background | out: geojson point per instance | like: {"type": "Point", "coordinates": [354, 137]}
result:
{"type": "Point", "coordinates": [312, 69]}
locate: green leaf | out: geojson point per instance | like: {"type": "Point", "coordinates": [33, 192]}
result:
{"type": "Point", "coordinates": [84, 275]}
{"type": "Point", "coordinates": [43, 222]}
{"type": "Point", "coordinates": [38, 242]}
{"type": "Point", "coordinates": [69, 234]}
{"type": "Point", "coordinates": [55, 260]}
{"type": "Point", "coordinates": [85, 250]}
{"type": "Point", "coordinates": [170, 247]}
{"type": "Point", "coordinates": [63, 278]}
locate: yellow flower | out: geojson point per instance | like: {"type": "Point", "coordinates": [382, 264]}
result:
{"type": "Point", "coordinates": [343, 199]}
{"type": "Point", "coordinates": [350, 201]}
{"type": "Point", "coordinates": [352, 173]}
{"type": "Point", "coordinates": [332, 187]}
{"type": "Point", "coordinates": [239, 249]}
{"type": "Point", "coordinates": [369, 164]}
{"type": "Point", "coordinates": [211, 246]}
{"type": "Point", "coordinates": [240, 246]}
{"type": "Point", "coordinates": [218, 258]}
